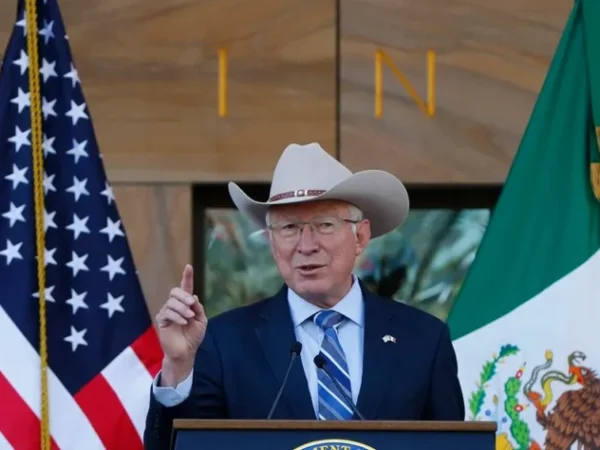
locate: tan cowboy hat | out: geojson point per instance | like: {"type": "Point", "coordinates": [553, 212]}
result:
{"type": "Point", "coordinates": [307, 173]}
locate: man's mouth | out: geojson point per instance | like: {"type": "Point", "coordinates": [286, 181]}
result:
{"type": "Point", "coordinates": [309, 268]}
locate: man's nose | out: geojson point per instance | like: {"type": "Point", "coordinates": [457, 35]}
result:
{"type": "Point", "coordinates": [307, 242]}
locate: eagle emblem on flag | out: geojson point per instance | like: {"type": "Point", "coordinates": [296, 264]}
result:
{"type": "Point", "coordinates": [559, 401]}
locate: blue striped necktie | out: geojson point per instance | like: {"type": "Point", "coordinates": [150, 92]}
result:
{"type": "Point", "coordinates": [331, 403]}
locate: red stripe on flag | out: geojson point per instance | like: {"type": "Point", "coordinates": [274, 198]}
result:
{"type": "Point", "coordinates": [18, 423]}
{"type": "Point", "coordinates": [107, 415]}
{"type": "Point", "coordinates": [148, 350]}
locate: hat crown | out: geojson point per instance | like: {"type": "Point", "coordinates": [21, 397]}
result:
{"type": "Point", "coordinates": [306, 168]}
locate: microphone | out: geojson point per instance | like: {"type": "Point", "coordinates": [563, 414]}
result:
{"type": "Point", "coordinates": [321, 363]}
{"type": "Point", "coordinates": [295, 350]}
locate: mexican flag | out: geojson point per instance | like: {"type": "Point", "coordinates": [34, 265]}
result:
{"type": "Point", "coordinates": [526, 322]}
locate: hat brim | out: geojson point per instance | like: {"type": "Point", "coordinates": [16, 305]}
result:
{"type": "Point", "coordinates": [379, 195]}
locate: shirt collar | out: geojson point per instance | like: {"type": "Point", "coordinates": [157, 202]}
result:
{"type": "Point", "coordinates": [351, 306]}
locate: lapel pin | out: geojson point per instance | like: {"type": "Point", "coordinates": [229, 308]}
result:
{"type": "Point", "coordinates": [388, 338]}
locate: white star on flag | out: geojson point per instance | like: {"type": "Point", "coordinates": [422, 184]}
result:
{"type": "Point", "coordinates": [78, 188]}
{"type": "Point", "coordinates": [113, 267]}
{"type": "Point", "coordinates": [76, 112]}
{"type": "Point", "coordinates": [48, 108]}
{"type": "Point", "coordinates": [12, 251]}
{"type": "Point", "coordinates": [22, 100]}
{"type": "Point", "coordinates": [76, 338]}
{"type": "Point", "coordinates": [78, 150]}
{"type": "Point", "coordinates": [48, 70]}
{"type": "Point", "coordinates": [48, 183]}
{"type": "Point", "coordinates": [49, 220]}
{"type": "Point", "coordinates": [20, 138]}
{"type": "Point", "coordinates": [113, 304]}
{"type": "Point", "coordinates": [73, 75]}
{"type": "Point", "coordinates": [112, 229]}
{"type": "Point", "coordinates": [108, 193]}
{"type": "Point", "coordinates": [47, 145]}
{"type": "Point", "coordinates": [22, 62]}
{"type": "Point", "coordinates": [77, 301]}
{"type": "Point", "coordinates": [49, 256]}
{"type": "Point", "coordinates": [77, 263]}
{"type": "Point", "coordinates": [15, 213]}
{"type": "Point", "coordinates": [78, 226]}
{"type": "Point", "coordinates": [17, 176]}
{"type": "Point", "coordinates": [47, 294]}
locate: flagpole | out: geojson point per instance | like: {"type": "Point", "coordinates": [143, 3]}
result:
{"type": "Point", "coordinates": [36, 146]}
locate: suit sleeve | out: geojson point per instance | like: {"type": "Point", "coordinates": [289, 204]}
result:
{"type": "Point", "coordinates": [205, 401]}
{"type": "Point", "coordinates": [445, 400]}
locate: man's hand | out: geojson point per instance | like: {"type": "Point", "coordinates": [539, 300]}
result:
{"type": "Point", "coordinates": [181, 329]}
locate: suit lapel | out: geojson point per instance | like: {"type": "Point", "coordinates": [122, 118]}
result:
{"type": "Point", "coordinates": [379, 358]}
{"type": "Point", "coordinates": [276, 335]}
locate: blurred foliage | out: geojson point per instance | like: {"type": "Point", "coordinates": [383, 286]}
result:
{"type": "Point", "coordinates": [422, 263]}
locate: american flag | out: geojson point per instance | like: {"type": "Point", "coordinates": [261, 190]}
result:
{"type": "Point", "coordinates": [102, 348]}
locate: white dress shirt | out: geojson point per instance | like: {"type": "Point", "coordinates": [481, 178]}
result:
{"type": "Point", "coordinates": [350, 334]}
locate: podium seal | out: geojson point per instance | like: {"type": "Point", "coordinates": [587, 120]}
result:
{"type": "Point", "coordinates": [334, 444]}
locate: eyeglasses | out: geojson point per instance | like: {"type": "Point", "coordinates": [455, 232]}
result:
{"type": "Point", "coordinates": [323, 225]}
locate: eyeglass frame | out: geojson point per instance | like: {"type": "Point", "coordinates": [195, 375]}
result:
{"type": "Point", "coordinates": [311, 223]}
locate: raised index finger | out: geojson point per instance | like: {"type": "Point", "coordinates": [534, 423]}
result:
{"type": "Point", "coordinates": [187, 279]}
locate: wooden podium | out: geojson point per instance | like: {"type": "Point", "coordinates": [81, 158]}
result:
{"type": "Point", "coordinates": [331, 435]}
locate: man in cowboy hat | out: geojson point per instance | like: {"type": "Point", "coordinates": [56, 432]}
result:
{"type": "Point", "coordinates": [391, 361]}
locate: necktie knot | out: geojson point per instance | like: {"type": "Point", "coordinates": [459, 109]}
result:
{"type": "Point", "coordinates": [327, 319]}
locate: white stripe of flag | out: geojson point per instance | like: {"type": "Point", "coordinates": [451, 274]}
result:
{"type": "Point", "coordinates": [20, 363]}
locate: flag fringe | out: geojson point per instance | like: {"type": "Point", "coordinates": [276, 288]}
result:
{"type": "Point", "coordinates": [595, 178]}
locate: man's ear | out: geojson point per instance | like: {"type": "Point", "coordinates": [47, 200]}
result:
{"type": "Point", "coordinates": [363, 236]}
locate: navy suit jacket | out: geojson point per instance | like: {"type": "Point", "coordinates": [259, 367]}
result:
{"type": "Point", "coordinates": [244, 356]}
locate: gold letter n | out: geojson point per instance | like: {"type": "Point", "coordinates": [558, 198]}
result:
{"type": "Point", "coordinates": [427, 107]}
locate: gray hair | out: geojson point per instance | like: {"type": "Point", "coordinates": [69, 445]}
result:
{"type": "Point", "coordinates": [354, 211]}
{"type": "Point", "coordinates": [355, 214]}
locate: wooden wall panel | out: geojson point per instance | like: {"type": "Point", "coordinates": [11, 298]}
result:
{"type": "Point", "coordinates": [492, 58]}
{"type": "Point", "coordinates": [157, 220]}
{"type": "Point", "coordinates": [152, 83]}
{"type": "Point", "coordinates": [7, 21]}
{"type": "Point", "coordinates": [282, 85]}
{"type": "Point", "coordinates": [149, 70]}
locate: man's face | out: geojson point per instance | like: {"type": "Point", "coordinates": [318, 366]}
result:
{"type": "Point", "coordinates": [317, 262]}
